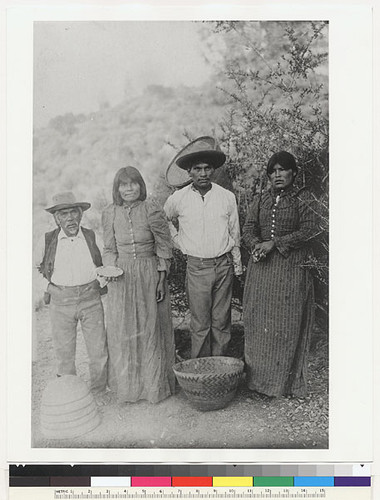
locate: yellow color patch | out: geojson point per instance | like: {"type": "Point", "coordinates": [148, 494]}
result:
{"type": "Point", "coordinates": [232, 481]}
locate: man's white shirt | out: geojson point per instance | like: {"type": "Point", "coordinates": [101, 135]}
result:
{"type": "Point", "coordinates": [73, 264]}
{"type": "Point", "coordinates": [208, 225]}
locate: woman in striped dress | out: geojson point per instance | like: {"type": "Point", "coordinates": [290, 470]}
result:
{"type": "Point", "coordinates": [278, 304]}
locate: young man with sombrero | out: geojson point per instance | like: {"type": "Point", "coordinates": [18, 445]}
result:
{"type": "Point", "coordinates": [68, 257]}
{"type": "Point", "coordinates": [209, 235]}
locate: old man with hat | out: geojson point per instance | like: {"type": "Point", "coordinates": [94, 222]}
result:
{"type": "Point", "coordinates": [68, 257]}
{"type": "Point", "coordinates": [208, 234]}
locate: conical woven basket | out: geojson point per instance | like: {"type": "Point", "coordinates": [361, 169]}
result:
{"type": "Point", "coordinates": [210, 383]}
{"type": "Point", "coordinates": [68, 408]}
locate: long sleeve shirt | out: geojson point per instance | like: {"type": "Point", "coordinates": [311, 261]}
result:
{"type": "Point", "coordinates": [135, 231]}
{"type": "Point", "coordinates": [208, 225]}
{"type": "Point", "coordinates": [288, 219]}
{"type": "Point", "coordinates": [73, 263]}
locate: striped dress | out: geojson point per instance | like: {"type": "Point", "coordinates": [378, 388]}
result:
{"type": "Point", "coordinates": [278, 304]}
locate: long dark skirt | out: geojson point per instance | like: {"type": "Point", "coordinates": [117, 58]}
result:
{"type": "Point", "coordinates": [278, 318]}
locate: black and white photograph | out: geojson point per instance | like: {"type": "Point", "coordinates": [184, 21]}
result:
{"type": "Point", "coordinates": [180, 234]}
{"type": "Point", "coordinates": [185, 190]}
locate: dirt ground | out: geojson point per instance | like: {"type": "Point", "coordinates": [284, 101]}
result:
{"type": "Point", "coordinates": [249, 421]}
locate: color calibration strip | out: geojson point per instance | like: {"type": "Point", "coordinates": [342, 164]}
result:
{"type": "Point", "coordinates": [235, 481]}
{"type": "Point", "coordinates": [163, 476]}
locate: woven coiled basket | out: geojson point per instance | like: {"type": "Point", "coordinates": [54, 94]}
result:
{"type": "Point", "coordinates": [209, 383]}
{"type": "Point", "coordinates": [68, 409]}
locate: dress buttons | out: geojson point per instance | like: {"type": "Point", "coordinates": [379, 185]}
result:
{"type": "Point", "coordinates": [273, 219]}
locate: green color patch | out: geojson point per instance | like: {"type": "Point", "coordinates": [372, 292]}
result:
{"type": "Point", "coordinates": [273, 481]}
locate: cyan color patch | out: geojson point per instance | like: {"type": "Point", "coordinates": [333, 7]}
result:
{"type": "Point", "coordinates": [319, 481]}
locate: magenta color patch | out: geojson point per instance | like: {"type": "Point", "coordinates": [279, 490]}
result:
{"type": "Point", "coordinates": [151, 481]}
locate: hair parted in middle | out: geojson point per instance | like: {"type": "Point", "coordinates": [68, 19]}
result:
{"type": "Point", "coordinates": [125, 174]}
{"type": "Point", "coordinates": [283, 158]}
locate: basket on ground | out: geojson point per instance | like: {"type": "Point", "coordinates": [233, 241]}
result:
{"type": "Point", "coordinates": [68, 409]}
{"type": "Point", "coordinates": [209, 383]}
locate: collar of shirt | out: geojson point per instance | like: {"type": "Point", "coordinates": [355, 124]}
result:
{"type": "Point", "coordinates": [288, 191]}
{"type": "Point", "coordinates": [133, 205]}
{"type": "Point", "coordinates": [63, 236]}
{"type": "Point", "coordinates": [196, 190]}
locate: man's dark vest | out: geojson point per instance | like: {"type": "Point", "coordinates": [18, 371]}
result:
{"type": "Point", "coordinates": [51, 241]}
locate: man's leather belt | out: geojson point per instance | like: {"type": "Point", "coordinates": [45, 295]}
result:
{"type": "Point", "coordinates": [208, 259]}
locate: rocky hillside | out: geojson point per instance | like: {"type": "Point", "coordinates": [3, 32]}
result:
{"type": "Point", "coordinates": [83, 152]}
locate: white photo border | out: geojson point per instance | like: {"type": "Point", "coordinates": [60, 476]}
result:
{"type": "Point", "coordinates": [350, 96]}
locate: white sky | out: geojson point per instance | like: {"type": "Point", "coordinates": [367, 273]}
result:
{"type": "Point", "coordinates": [77, 64]}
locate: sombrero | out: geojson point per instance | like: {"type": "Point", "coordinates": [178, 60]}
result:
{"type": "Point", "coordinates": [203, 148]}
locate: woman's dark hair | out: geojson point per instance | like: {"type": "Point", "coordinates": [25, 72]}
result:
{"type": "Point", "coordinates": [283, 158]}
{"type": "Point", "coordinates": [124, 175]}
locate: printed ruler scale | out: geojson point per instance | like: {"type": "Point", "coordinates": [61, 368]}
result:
{"type": "Point", "coordinates": [190, 482]}
{"type": "Point", "coordinates": [329, 493]}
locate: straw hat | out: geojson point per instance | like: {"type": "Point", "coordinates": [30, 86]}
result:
{"type": "Point", "coordinates": [203, 149]}
{"type": "Point", "coordinates": [66, 200]}
{"type": "Point", "coordinates": [68, 409]}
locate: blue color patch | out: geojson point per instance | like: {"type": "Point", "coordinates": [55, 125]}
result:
{"type": "Point", "coordinates": [314, 481]}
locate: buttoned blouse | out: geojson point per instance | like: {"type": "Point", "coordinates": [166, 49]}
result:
{"type": "Point", "coordinates": [136, 231]}
{"type": "Point", "coordinates": [288, 218]}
